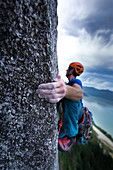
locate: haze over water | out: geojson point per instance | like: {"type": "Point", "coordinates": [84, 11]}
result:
{"type": "Point", "coordinates": [102, 113]}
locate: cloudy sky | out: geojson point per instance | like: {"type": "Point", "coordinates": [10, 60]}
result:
{"type": "Point", "coordinates": [85, 34]}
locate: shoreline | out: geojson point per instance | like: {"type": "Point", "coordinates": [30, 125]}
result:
{"type": "Point", "coordinates": [103, 138]}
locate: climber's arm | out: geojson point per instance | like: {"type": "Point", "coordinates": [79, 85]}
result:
{"type": "Point", "coordinates": [74, 92]}
{"type": "Point", "coordinates": [55, 91]}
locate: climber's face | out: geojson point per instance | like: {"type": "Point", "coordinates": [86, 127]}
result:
{"type": "Point", "coordinates": [69, 72]}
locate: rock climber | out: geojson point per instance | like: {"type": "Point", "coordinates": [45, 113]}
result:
{"type": "Point", "coordinates": [70, 94]}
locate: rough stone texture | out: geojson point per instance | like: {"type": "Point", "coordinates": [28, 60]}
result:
{"type": "Point", "coordinates": [28, 35]}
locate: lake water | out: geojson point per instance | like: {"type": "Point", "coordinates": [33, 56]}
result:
{"type": "Point", "coordinates": [102, 113]}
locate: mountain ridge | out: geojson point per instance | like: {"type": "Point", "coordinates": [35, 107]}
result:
{"type": "Point", "coordinates": [105, 95]}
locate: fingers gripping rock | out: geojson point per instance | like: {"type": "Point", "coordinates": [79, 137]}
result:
{"type": "Point", "coordinates": [53, 92]}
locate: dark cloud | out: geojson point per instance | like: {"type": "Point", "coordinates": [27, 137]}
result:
{"type": "Point", "coordinates": [99, 19]}
{"type": "Point", "coordinates": [101, 71]}
{"type": "Point", "coordinates": [96, 22]}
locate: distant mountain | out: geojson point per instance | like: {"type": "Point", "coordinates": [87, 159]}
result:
{"type": "Point", "coordinates": [104, 94]}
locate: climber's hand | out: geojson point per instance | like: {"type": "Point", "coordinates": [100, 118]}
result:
{"type": "Point", "coordinates": [53, 92]}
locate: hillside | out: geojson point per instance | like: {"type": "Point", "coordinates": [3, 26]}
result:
{"type": "Point", "coordinates": [94, 155]}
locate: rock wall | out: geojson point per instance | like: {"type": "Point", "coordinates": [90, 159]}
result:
{"type": "Point", "coordinates": [28, 57]}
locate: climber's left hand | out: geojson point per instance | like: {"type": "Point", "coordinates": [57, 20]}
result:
{"type": "Point", "coordinates": [53, 92]}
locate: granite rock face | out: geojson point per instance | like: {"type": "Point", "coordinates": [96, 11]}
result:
{"type": "Point", "coordinates": [28, 57]}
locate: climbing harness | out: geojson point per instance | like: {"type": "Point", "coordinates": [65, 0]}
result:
{"type": "Point", "coordinates": [84, 132]}
{"type": "Point", "coordinates": [85, 127]}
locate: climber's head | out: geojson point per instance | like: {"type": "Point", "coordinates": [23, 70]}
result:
{"type": "Point", "coordinates": [75, 69]}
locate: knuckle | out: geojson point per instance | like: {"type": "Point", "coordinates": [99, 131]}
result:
{"type": "Point", "coordinates": [54, 96]}
{"type": "Point", "coordinates": [51, 86]}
